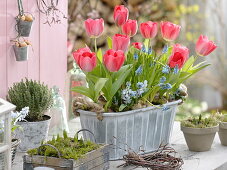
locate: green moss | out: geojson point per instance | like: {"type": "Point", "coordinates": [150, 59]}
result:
{"type": "Point", "coordinates": [69, 148]}
{"type": "Point", "coordinates": [200, 122]}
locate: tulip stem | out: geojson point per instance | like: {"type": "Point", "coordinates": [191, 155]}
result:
{"type": "Point", "coordinates": [95, 45]}
{"type": "Point", "coordinates": [151, 43]}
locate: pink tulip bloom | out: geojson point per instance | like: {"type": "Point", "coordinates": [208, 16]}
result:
{"type": "Point", "coordinates": [130, 27]}
{"type": "Point", "coordinates": [204, 46]}
{"type": "Point", "coordinates": [149, 29]}
{"type": "Point", "coordinates": [137, 45]}
{"type": "Point", "coordinates": [120, 14]}
{"type": "Point", "coordinates": [113, 60]}
{"type": "Point", "coordinates": [120, 42]}
{"type": "Point", "coordinates": [85, 59]}
{"type": "Point", "coordinates": [179, 56]}
{"type": "Point", "coordinates": [94, 27]}
{"type": "Point", "coordinates": [169, 31]}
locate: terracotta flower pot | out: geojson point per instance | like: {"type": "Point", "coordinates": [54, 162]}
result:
{"type": "Point", "coordinates": [223, 133]}
{"type": "Point", "coordinates": [199, 139]}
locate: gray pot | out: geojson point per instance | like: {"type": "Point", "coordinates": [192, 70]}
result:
{"type": "Point", "coordinates": [24, 27]}
{"type": "Point", "coordinates": [223, 133]}
{"type": "Point", "coordinates": [199, 139]}
{"type": "Point", "coordinates": [21, 53]}
{"type": "Point", "coordinates": [32, 134]}
{"type": "Point", "coordinates": [146, 128]}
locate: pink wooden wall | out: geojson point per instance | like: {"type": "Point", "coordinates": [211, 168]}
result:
{"type": "Point", "coordinates": [48, 62]}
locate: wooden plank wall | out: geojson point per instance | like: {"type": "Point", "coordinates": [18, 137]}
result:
{"type": "Point", "coordinates": [48, 59]}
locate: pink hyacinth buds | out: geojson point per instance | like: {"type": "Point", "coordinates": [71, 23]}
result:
{"type": "Point", "coordinates": [169, 30]}
{"type": "Point", "coordinates": [179, 56]}
{"type": "Point", "coordinates": [149, 29]}
{"type": "Point", "coordinates": [94, 27]}
{"type": "Point", "coordinates": [204, 46]}
{"type": "Point", "coordinates": [113, 60]}
{"type": "Point", "coordinates": [137, 45]}
{"type": "Point", "coordinates": [120, 42]}
{"type": "Point", "coordinates": [85, 59]}
{"type": "Point", "coordinates": [120, 14]}
{"type": "Point", "coordinates": [130, 27]}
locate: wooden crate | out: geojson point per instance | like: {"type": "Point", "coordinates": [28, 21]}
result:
{"type": "Point", "coordinates": [94, 160]}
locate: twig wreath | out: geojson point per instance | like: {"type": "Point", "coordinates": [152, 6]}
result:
{"type": "Point", "coordinates": [51, 11]}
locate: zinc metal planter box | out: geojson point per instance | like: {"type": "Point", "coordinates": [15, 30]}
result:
{"type": "Point", "coordinates": [94, 160]}
{"type": "Point", "coordinates": [147, 128]}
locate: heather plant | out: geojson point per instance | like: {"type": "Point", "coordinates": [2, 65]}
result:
{"type": "Point", "coordinates": [32, 94]}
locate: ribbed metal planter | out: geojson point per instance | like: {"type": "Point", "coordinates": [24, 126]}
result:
{"type": "Point", "coordinates": [148, 127]}
{"type": "Point", "coordinates": [21, 53]}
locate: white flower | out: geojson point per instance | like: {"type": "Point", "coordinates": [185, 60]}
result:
{"type": "Point", "coordinates": [204, 106]}
{"type": "Point", "coordinates": [196, 110]}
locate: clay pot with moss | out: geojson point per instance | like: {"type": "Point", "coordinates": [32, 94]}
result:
{"type": "Point", "coordinates": [38, 98]}
{"type": "Point", "coordinates": [223, 130]}
{"type": "Point", "coordinates": [199, 132]}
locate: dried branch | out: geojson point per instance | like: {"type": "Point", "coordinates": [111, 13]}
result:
{"type": "Point", "coordinates": [52, 13]}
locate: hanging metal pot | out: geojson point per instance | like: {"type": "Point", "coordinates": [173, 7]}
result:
{"type": "Point", "coordinates": [21, 53]}
{"type": "Point", "coordinates": [24, 21]}
{"type": "Point", "coordinates": [24, 27]}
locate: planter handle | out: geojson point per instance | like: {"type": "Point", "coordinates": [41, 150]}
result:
{"type": "Point", "coordinates": [20, 7]}
{"type": "Point", "coordinates": [82, 130]}
{"type": "Point", "coordinates": [59, 155]}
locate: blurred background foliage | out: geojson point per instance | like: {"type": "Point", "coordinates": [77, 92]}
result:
{"type": "Point", "coordinates": [206, 17]}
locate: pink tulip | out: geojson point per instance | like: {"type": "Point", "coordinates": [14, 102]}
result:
{"type": "Point", "coordinates": [94, 28]}
{"type": "Point", "coordinates": [179, 56]}
{"type": "Point", "coordinates": [120, 42]}
{"type": "Point", "coordinates": [85, 59]}
{"type": "Point", "coordinates": [130, 27]}
{"type": "Point", "coordinates": [169, 31]}
{"type": "Point", "coordinates": [149, 29]}
{"type": "Point", "coordinates": [137, 45]}
{"type": "Point", "coordinates": [204, 46]}
{"type": "Point", "coordinates": [113, 60]}
{"type": "Point", "coordinates": [120, 14]}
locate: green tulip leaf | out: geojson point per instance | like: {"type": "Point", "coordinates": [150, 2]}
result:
{"type": "Point", "coordinates": [109, 42]}
{"type": "Point", "coordinates": [188, 63]}
{"type": "Point", "coordinates": [83, 90]}
{"type": "Point", "coordinates": [99, 55]}
{"type": "Point", "coordinates": [98, 87]}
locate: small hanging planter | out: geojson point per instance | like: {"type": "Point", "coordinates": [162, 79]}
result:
{"type": "Point", "coordinates": [21, 50]}
{"type": "Point", "coordinates": [24, 21]}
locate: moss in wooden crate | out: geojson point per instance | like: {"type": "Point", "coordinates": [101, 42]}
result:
{"type": "Point", "coordinates": [69, 148]}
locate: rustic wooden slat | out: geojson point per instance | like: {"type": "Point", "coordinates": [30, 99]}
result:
{"type": "Point", "coordinates": [34, 52]}
{"type": "Point", "coordinates": [15, 70]}
{"type": "Point", "coordinates": [3, 59]}
{"type": "Point", "coordinates": [92, 155]}
{"type": "Point", "coordinates": [49, 161]}
{"type": "Point", "coordinates": [53, 50]}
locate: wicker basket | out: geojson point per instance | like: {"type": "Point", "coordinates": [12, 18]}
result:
{"type": "Point", "coordinates": [15, 143]}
